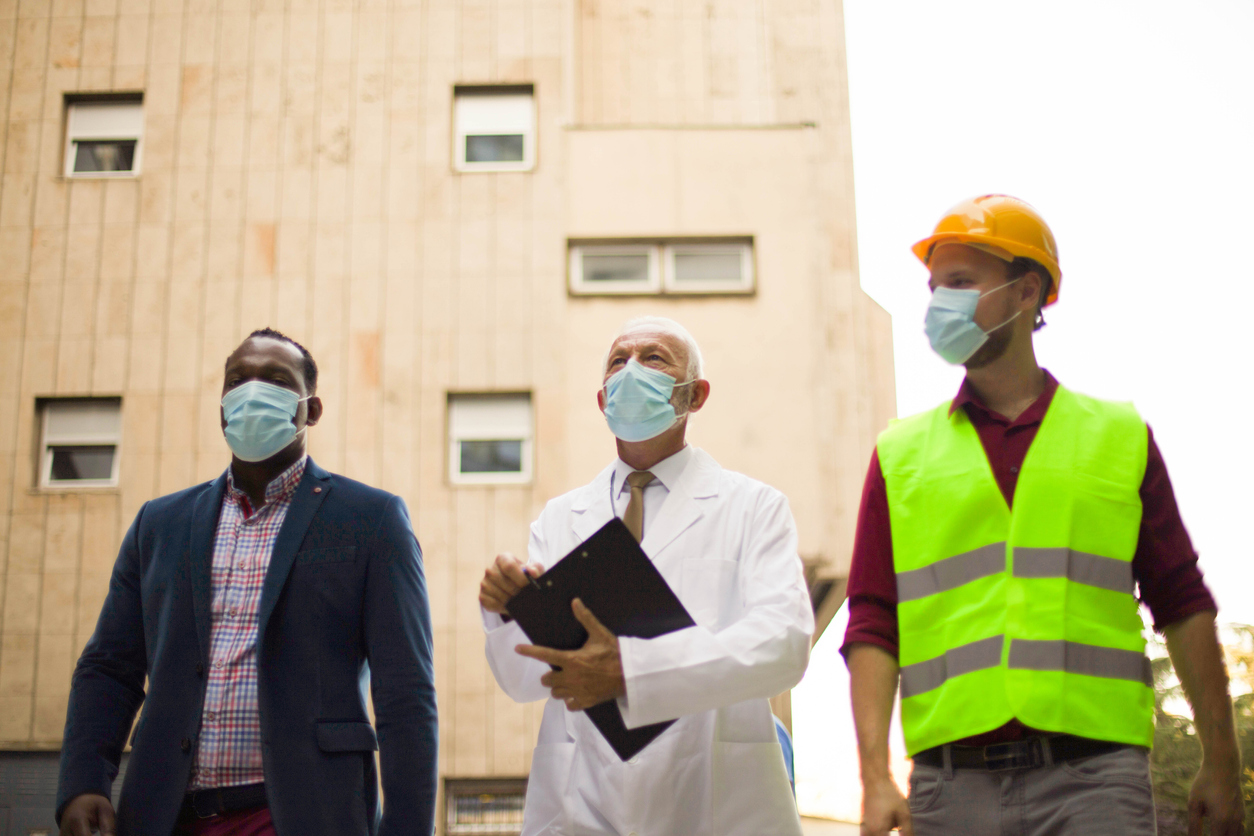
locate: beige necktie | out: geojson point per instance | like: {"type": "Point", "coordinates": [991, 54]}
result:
{"type": "Point", "coordinates": [633, 517]}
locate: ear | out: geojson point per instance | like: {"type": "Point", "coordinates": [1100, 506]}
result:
{"type": "Point", "coordinates": [601, 400]}
{"type": "Point", "coordinates": [1029, 289]}
{"type": "Point", "coordinates": [313, 411]}
{"type": "Point", "coordinates": [222, 416]}
{"type": "Point", "coordinates": [700, 394]}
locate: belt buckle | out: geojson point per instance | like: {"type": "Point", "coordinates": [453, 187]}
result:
{"type": "Point", "coordinates": [1018, 754]}
{"type": "Point", "coordinates": [214, 796]}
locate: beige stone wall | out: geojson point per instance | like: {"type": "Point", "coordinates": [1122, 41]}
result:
{"type": "Point", "coordinates": [297, 173]}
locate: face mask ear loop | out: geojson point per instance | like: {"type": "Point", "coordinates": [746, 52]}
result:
{"type": "Point", "coordinates": [1004, 324]}
{"type": "Point", "coordinates": [1016, 314]}
{"type": "Point", "coordinates": [1001, 287]}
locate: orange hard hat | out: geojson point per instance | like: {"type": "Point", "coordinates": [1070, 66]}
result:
{"type": "Point", "coordinates": [998, 222]}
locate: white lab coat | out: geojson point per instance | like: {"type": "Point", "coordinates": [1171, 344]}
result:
{"type": "Point", "coordinates": [727, 545]}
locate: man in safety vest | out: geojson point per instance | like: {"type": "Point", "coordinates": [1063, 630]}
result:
{"type": "Point", "coordinates": [1000, 542]}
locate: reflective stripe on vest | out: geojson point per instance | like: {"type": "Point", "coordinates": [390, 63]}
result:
{"type": "Point", "coordinates": [1074, 657]}
{"type": "Point", "coordinates": [1025, 613]}
{"type": "Point", "coordinates": [953, 572]}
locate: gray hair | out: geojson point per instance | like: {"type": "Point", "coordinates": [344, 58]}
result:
{"type": "Point", "coordinates": [696, 366]}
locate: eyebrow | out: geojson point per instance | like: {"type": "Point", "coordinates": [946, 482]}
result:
{"type": "Point", "coordinates": [960, 273]}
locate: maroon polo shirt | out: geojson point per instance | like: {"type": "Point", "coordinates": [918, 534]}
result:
{"type": "Point", "coordinates": [1164, 566]}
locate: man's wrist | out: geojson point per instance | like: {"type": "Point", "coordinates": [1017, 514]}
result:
{"type": "Point", "coordinates": [1222, 755]}
{"type": "Point", "coordinates": [877, 777]}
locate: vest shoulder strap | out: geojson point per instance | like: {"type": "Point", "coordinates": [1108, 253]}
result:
{"type": "Point", "coordinates": [902, 441]}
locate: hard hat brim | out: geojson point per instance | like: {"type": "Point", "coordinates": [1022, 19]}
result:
{"type": "Point", "coordinates": [923, 251]}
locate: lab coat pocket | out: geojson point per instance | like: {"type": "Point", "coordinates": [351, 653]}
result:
{"type": "Point", "coordinates": [708, 591]}
{"type": "Point", "coordinates": [549, 783]}
{"type": "Point", "coordinates": [751, 791]}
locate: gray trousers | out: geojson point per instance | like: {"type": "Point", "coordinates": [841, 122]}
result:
{"type": "Point", "coordinates": [1105, 795]}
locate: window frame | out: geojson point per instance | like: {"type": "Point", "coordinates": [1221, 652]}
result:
{"type": "Point", "coordinates": [650, 287]}
{"type": "Point", "coordinates": [72, 102]}
{"type": "Point", "coordinates": [46, 407]}
{"type": "Point", "coordinates": [673, 285]}
{"type": "Point", "coordinates": [466, 92]}
{"type": "Point", "coordinates": [662, 278]}
{"type": "Point", "coordinates": [456, 435]}
{"type": "Point", "coordinates": [461, 787]}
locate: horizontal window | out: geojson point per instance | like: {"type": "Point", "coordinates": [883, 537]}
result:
{"type": "Point", "coordinates": [501, 455]}
{"type": "Point", "coordinates": [677, 267]}
{"type": "Point", "coordinates": [490, 807]}
{"type": "Point", "coordinates": [79, 442]}
{"type": "Point", "coordinates": [490, 438]}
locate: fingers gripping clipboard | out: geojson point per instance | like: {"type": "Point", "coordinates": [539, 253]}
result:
{"type": "Point", "coordinates": [615, 579]}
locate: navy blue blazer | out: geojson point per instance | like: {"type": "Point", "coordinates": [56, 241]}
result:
{"type": "Point", "coordinates": [344, 604]}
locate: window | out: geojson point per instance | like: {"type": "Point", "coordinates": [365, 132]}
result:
{"type": "Point", "coordinates": [102, 137]}
{"type": "Point", "coordinates": [484, 808]}
{"type": "Point", "coordinates": [80, 442]}
{"type": "Point", "coordinates": [662, 267]}
{"type": "Point", "coordinates": [615, 269]}
{"type": "Point", "coordinates": [489, 439]}
{"type": "Point", "coordinates": [494, 129]}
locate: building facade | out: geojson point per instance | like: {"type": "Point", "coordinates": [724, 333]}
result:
{"type": "Point", "coordinates": [454, 204]}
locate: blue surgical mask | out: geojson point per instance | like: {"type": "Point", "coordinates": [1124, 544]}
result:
{"type": "Point", "coordinates": [259, 419]}
{"type": "Point", "coordinates": [638, 402]}
{"type": "Point", "coordinates": [950, 323]}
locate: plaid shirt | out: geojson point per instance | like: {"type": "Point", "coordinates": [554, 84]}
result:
{"type": "Point", "coordinates": [228, 751]}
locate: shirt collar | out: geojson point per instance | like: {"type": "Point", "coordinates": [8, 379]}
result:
{"type": "Point", "coordinates": [280, 487]}
{"type": "Point", "coordinates": [666, 471]}
{"type": "Point", "coordinates": [966, 397]}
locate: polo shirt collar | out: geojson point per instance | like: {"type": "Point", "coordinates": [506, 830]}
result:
{"type": "Point", "coordinates": [966, 397]}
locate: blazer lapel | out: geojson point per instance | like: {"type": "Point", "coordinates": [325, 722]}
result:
{"type": "Point", "coordinates": [312, 491]}
{"type": "Point", "coordinates": [204, 525]}
{"type": "Point", "coordinates": [592, 509]}
{"type": "Point", "coordinates": [682, 507]}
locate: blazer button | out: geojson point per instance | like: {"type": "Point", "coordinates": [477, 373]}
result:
{"type": "Point", "coordinates": [186, 745]}
{"type": "Point", "coordinates": [200, 669]}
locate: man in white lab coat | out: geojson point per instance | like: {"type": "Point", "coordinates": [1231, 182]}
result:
{"type": "Point", "coordinates": [727, 545]}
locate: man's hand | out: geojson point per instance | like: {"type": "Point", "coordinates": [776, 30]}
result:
{"type": "Point", "coordinates": [87, 813]}
{"type": "Point", "coordinates": [504, 579]}
{"type": "Point", "coordinates": [1216, 795]}
{"type": "Point", "coordinates": [884, 809]}
{"type": "Point", "coordinates": [1198, 659]}
{"type": "Point", "coordinates": [585, 677]}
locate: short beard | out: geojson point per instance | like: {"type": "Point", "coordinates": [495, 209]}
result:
{"type": "Point", "coordinates": [994, 347]}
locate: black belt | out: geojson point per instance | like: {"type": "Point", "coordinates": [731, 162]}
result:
{"type": "Point", "coordinates": [1019, 754]}
{"type": "Point", "coordinates": [202, 804]}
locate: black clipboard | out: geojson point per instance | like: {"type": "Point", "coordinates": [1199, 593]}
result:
{"type": "Point", "coordinates": [615, 579]}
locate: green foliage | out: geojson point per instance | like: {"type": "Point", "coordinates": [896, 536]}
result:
{"type": "Point", "coordinates": [1178, 754]}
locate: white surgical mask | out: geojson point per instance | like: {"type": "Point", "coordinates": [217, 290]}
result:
{"type": "Point", "coordinates": [950, 323]}
{"type": "Point", "coordinates": [259, 419]}
{"type": "Point", "coordinates": [638, 402]}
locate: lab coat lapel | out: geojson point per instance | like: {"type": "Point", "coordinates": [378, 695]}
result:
{"type": "Point", "coordinates": [305, 503]}
{"type": "Point", "coordinates": [697, 484]}
{"type": "Point", "coordinates": [591, 508]}
{"type": "Point", "coordinates": [205, 509]}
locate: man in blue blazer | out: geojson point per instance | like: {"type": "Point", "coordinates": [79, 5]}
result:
{"type": "Point", "coordinates": [258, 606]}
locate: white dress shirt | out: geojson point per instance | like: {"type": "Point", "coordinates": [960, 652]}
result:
{"type": "Point", "coordinates": [665, 473]}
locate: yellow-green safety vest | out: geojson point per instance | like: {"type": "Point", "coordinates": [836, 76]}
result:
{"type": "Point", "coordinates": [1028, 612]}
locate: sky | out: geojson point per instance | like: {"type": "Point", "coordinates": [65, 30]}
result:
{"type": "Point", "coordinates": [1130, 127]}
